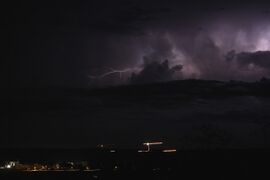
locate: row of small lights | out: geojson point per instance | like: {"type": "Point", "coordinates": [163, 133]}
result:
{"type": "Point", "coordinates": [148, 145]}
{"type": "Point", "coordinates": [12, 164]}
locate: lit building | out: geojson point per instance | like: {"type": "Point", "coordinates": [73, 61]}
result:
{"type": "Point", "coordinates": [149, 144]}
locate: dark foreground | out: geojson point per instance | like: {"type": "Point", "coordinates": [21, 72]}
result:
{"type": "Point", "coordinates": [214, 164]}
{"type": "Point", "coordinates": [186, 114]}
{"type": "Point", "coordinates": [232, 116]}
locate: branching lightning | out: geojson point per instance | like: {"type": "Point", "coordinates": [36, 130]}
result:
{"type": "Point", "coordinates": [114, 71]}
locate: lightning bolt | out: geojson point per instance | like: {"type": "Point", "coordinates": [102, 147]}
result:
{"type": "Point", "coordinates": [114, 71]}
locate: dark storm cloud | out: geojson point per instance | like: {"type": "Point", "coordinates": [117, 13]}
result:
{"type": "Point", "coordinates": [124, 17]}
{"type": "Point", "coordinates": [58, 44]}
{"type": "Point", "coordinates": [61, 43]}
{"type": "Point", "coordinates": [259, 58]}
{"type": "Point", "coordinates": [155, 72]}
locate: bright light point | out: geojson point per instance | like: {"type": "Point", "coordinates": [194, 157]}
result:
{"type": "Point", "coordinates": [152, 143]}
{"type": "Point", "coordinates": [143, 151]}
{"type": "Point", "coordinates": [8, 166]}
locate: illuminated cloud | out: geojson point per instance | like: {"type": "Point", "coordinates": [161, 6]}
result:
{"type": "Point", "coordinates": [62, 44]}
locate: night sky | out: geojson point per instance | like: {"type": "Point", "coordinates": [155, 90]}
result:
{"type": "Point", "coordinates": [86, 44]}
{"type": "Point", "coordinates": [66, 43]}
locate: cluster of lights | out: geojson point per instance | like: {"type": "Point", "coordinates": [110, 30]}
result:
{"type": "Point", "coordinates": [10, 164]}
{"type": "Point", "coordinates": [72, 166]}
{"type": "Point", "coordinates": [36, 167]}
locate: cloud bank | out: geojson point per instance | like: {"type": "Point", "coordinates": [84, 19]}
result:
{"type": "Point", "coordinates": [74, 44]}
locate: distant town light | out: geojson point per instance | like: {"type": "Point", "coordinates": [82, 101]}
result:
{"type": "Point", "coordinates": [169, 150]}
{"type": "Point", "coordinates": [148, 144]}
{"type": "Point", "coordinates": [11, 164]}
{"type": "Point", "coordinates": [152, 143]}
